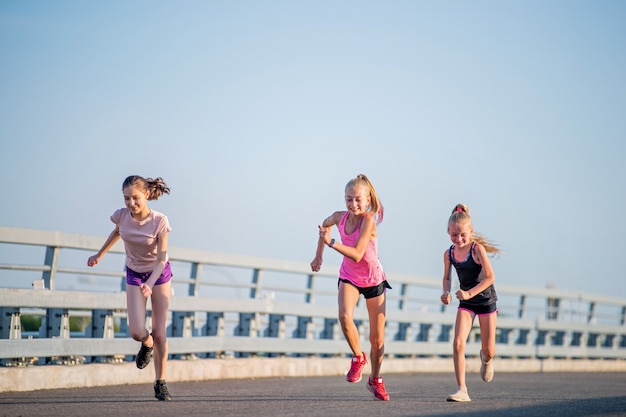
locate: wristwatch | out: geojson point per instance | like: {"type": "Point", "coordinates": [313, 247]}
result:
{"type": "Point", "coordinates": [332, 242]}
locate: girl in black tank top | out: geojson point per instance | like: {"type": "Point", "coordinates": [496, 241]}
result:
{"type": "Point", "coordinates": [469, 275]}
{"type": "Point", "coordinates": [476, 295]}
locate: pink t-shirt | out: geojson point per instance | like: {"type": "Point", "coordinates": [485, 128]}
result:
{"type": "Point", "coordinates": [368, 272]}
{"type": "Point", "coordinates": [141, 237]}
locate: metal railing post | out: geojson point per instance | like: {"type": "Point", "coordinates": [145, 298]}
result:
{"type": "Point", "coordinates": [309, 296]}
{"type": "Point", "coordinates": [102, 327]}
{"type": "Point", "coordinates": [51, 260]}
{"type": "Point", "coordinates": [257, 279]}
{"type": "Point", "coordinates": [11, 328]}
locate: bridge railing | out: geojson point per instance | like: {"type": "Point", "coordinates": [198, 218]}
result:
{"type": "Point", "coordinates": [229, 305]}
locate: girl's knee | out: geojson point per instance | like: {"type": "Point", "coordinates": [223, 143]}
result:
{"type": "Point", "coordinates": [345, 320]}
{"type": "Point", "coordinates": [377, 341]}
{"type": "Point", "coordinates": [139, 335]}
{"type": "Point", "coordinates": [377, 350]}
{"type": "Point", "coordinates": [488, 353]}
{"type": "Point", "coordinates": [159, 338]}
{"type": "Point", "coordinates": [458, 346]}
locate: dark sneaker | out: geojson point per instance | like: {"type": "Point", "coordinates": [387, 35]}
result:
{"type": "Point", "coordinates": [143, 357]}
{"type": "Point", "coordinates": [160, 391]}
{"type": "Point", "coordinates": [377, 388]}
{"type": "Point", "coordinates": [356, 368]}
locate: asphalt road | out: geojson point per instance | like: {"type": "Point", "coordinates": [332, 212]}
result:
{"type": "Point", "coordinates": [508, 395]}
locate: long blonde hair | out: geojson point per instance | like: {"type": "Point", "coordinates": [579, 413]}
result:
{"type": "Point", "coordinates": [376, 206]}
{"type": "Point", "coordinates": [460, 214]}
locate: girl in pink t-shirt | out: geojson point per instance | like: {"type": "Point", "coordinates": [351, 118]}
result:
{"type": "Point", "coordinates": [148, 272]}
{"type": "Point", "coordinates": [360, 273]}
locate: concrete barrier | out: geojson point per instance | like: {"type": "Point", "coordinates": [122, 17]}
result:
{"type": "Point", "coordinates": [31, 378]}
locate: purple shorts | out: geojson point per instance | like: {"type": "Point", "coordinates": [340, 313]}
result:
{"type": "Point", "coordinates": [138, 278]}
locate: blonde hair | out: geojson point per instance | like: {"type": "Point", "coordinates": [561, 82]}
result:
{"type": "Point", "coordinates": [155, 187]}
{"type": "Point", "coordinates": [460, 214]}
{"type": "Point", "coordinates": [376, 206]}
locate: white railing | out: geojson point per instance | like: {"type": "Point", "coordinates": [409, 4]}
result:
{"type": "Point", "coordinates": [245, 306]}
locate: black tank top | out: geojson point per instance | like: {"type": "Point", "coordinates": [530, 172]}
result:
{"type": "Point", "coordinates": [468, 272]}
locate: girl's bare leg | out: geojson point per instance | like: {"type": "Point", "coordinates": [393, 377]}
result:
{"type": "Point", "coordinates": [376, 309]}
{"type": "Point", "coordinates": [136, 313]}
{"type": "Point", "coordinates": [160, 309]}
{"type": "Point", "coordinates": [488, 335]}
{"type": "Point", "coordinates": [348, 297]}
{"type": "Point", "coordinates": [464, 321]}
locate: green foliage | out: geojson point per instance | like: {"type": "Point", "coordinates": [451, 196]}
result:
{"type": "Point", "coordinates": [33, 323]}
{"type": "Point", "coordinates": [79, 324]}
{"type": "Point", "coordinates": [30, 323]}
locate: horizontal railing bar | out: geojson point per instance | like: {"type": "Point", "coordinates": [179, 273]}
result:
{"type": "Point", "coordinates": [204, 344]}
{"type": "Point", "coordinates": [40, 268]}
{"type": "Point", "coordinates": [94, 272]}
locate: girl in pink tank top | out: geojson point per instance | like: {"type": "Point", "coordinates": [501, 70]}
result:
{"type": "Point", "coordinates": [360, 273]}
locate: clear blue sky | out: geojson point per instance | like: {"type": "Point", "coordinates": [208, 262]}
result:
{"type": "Point", "coordinates": [257, 113]}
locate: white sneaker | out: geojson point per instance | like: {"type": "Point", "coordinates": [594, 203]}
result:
{"type": "Point", "coordinates": [460, 396]}
{"type": "Point", "coordinates": [486, 368]}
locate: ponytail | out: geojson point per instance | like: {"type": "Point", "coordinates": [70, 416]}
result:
{"type": "Point", "coordinates": [155, 187]}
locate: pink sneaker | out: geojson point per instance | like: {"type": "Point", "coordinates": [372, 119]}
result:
{"type": "Point", "coordinates": [356, 368]}
{"type": "Point", "coordinates": [377, 387]}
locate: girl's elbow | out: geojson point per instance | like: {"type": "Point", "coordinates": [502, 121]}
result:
{"type": "Point", "coordinates": [356, 258]}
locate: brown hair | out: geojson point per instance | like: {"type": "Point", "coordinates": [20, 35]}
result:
{"type": "Point", "coordinates": [376, 206]}
{"type": "Point", "coordinates": [460, 214]}
{"type": "Point", "coordinates": [155, 187]}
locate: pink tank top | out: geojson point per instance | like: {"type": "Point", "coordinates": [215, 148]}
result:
{"type": "Point", "coordinates": [368, 272]}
